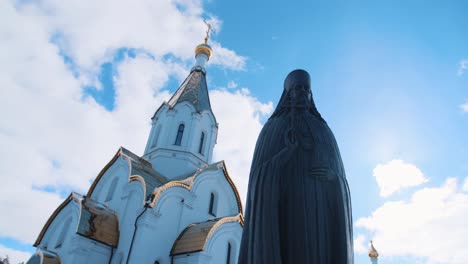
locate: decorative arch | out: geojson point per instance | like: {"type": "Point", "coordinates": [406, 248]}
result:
{"type": "Point", "coordinates": [189, 183]}
{"type": "Point", "coordinates": [197, 236]}
{"type": "Point", "coordinates": [177, 192]}
{"type": "Point", "coordinates": [129, 187]}
{"type": "Point", "coordinates": [180, 107]}
{"type": "Point", "coordinates": [220, 231]}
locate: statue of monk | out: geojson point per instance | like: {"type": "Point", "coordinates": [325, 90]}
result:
{"type": "Point", "coordinates": [298, 202]}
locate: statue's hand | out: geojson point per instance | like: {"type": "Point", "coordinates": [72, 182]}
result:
{"type": "Point", "coordinates": [291, 138]}
{"type": "Point", "coordinates": [321, 173]}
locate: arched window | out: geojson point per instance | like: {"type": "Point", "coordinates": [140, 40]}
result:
{"type": "Point", "coordinates": [110, 192]}
{"type": "Point", "coordinates": [180, 133]}
{"type": "Point", "coordinates": [211, 209]}
{"type": "Point", "coordinates": [63, 233]}
{"type": "Point", "coordinates": [228, 256]}
{"type": "Point", "coordinates": [202, 141]}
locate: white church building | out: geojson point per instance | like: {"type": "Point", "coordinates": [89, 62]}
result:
{"type": "Point", "coordinates": [169, 206]}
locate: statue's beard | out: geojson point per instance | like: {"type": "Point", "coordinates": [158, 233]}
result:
{"type": "Point", "coordinates": [299, 98]}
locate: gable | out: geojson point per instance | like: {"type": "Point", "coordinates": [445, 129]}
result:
{"type": "Point", "coordinates": [135, 166]}
{"type": "Point", "coordinates": [190, 183]}
{"type": "Point", "coordinates": [61, 208]}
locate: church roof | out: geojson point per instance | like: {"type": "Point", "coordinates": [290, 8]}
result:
{"type": "Point", "coordinates": [193, 90]}
{"type": "Point", "coordinates": [196, 235]}
{"type": "Point", "coordinates": [373, 254]}
{"type": "Point", "coordinates": [97, 221]}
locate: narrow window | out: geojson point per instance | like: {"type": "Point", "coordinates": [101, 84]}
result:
{"type": "Point", "coordinates": [228, 258]}
{"type": "Point", "coordinates": [202, 140]}
{"type": "Point", "coordinates": [211, 209]}
{"type": "Point", "coordinates": [63, 233]}
{"type": "Point", "coordinates": [110, 192]}
{"type": "Point", "coordinates": [180, 133]}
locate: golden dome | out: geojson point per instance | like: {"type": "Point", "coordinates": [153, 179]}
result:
{"type": "Point", "coordinates": [203, 48]}
{"type": "Point", "coordinates": [373, 254]}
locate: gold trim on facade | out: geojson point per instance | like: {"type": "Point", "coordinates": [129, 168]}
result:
{"type": "Point", "coordinates": [188, 184]}
{"type": "Point", "coordinates": [101, 173]}
{"type": "Point", "coordinates": [229, 219]}
{"type": "Point", "coordinates": [141, 180]}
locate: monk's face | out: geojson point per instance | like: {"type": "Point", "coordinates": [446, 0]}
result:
{"type": "Point", "coordinates": [300, 95]}
{"type": "Point", "coordinates": [297, 85]}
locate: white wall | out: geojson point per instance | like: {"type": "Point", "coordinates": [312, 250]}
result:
{"type": "Point", "coordinates": [186, 158]}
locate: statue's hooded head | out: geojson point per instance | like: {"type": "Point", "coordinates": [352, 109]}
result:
{"type": "Point", "coordinates": [296, 94]}
{"type": "Point", "coordinates": [297, 87]}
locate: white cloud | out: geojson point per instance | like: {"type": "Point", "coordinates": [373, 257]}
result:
{"type": "Point", "coordinates": [236, 111]}
{"type": "Point", "coordinates": [465, 185]}
{"type": "Point", "coordinates": [227, 58]}
{"type": "Point", "coordinates": [232, 84]}
{"type": "Point", "coordinates": [432, 224]}
{"type": "Point", "coordinates": [395, 175]}
{"type": "Point", "coordinates": [14, 256]}
{"type": "Point", "coordinates": [464, 107]}
{"type": "Point", "coordinates": [360, 244]}
{"type": "Point", "coordinates": [463, 66]}
{"type": "Point", "coordinates": [54, 135]}
{"type": "Point", "coordinates": [89, 32]}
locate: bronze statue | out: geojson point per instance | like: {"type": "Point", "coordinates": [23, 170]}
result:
{"type": "Point", "coordinates": [298, 202]}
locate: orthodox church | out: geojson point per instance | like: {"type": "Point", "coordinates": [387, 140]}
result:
{"type": "Point", "coordinates": [171, 205]}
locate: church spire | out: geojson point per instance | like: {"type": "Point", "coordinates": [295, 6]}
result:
{"type": "Point", "coordinates": [203, 51]}
{"type": "Point", "coordinates": [194, 89]}
{"type": "Point", "coordinates": [184, 130]}
{"type": "Point", "coordinates": [373, 254]}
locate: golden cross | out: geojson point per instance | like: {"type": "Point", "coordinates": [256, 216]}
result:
{"type": "Point", "coordinates": [207, 31]}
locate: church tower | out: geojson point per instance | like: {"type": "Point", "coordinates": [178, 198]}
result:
{"type": "Point", "coordinates": [184, 130]}
{"type": "Point", "coordinates": [373, 254]}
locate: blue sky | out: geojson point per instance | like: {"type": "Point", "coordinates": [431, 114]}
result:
{"type": "Point", "coordinates": [384, 76]}
{"type": "Point", "coordinates": [390, 78]}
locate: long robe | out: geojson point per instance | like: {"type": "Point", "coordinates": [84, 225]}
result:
{"type": "Point", "coordinates": [298, 203]}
